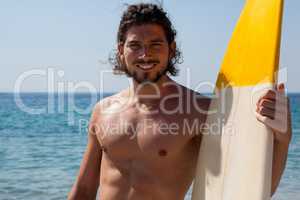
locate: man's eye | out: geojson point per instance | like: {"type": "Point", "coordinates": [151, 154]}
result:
{"type": "Point", "coordinates": [156, 45]}
{"type": "Point", "coordinates": [134, 46]}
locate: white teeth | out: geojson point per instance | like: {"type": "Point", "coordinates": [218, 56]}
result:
{"type": "Point", "coordinates": [146, 66]}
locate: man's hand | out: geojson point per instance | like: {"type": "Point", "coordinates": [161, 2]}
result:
{"type": "Point", "coordinates": [274, 111]}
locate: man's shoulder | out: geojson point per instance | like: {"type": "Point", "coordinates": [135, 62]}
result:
{"type": "Point", "coordinates": [192, 99]}
{"type": "Point", "coordinates": [197, 97]}
{"type": "Point", "coordinates": [108, 103]}
{"type": "Point", "coordinates": [101, 108]}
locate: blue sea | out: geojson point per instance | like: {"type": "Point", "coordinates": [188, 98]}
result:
{"type": "Point", "coordinates": [42, 139]}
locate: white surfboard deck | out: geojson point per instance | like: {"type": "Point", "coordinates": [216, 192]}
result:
{"type": "Point", "coordinates": [235, 156]}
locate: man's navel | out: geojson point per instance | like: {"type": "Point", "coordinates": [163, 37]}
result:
{"type": "Point", "coordinates": [104, 149]}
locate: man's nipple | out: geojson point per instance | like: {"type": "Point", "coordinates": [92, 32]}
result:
{"type": "Point", "coordinates": [162, 153]}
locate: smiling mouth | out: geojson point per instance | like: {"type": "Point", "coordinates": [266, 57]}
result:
{"type": "Point", "coordinates": [146, 66]}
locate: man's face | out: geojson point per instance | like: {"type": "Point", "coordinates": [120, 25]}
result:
{"type": "Point", "coordinates": [145, 52]}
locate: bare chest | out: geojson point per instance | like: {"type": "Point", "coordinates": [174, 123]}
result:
{"type": "Point", "coordinates": [132, 136]}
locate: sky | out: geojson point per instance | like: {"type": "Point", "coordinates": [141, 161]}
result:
{"type": "Point", "coordinates": [63, 45]}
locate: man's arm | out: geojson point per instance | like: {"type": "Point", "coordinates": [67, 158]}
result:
{"type": "Point", "coordinates": [273, 110]}
{"type": "Point", "coordinates": [87, 182]}
{"type": "Point", "coordinates": [280, 152]}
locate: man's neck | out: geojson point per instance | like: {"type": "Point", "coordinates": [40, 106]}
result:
{"type": "Point", "coordinates": [150, 93]}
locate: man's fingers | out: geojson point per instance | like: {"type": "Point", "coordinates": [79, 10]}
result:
{"type": "Point", "coordinates": [263, 119]}
{"type": "Point", "coordinates": [278, 106]}
{"type": "Point", "coordinates": [275, 96]}
{"type": "Point", "coordinates": [267, 103]}
{"type": "Point", "coordinates": [267, 112]}
{"type": "Point", "coordinates": [270, 94]}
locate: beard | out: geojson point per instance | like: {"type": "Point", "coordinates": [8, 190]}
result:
{"type": "Point", "coordinates": [145, 77]}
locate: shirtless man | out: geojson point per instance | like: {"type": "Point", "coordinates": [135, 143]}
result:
{"type": "Point", "coordinates": [143, 142]}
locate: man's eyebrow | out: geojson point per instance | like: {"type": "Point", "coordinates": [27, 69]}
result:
{"type": "Point", "coordinates": [133, 41]}
{"type": "Point", "coordinates": [157, 40]}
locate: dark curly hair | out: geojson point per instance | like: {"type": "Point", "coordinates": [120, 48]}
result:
{"type": "Point", "coordinates": [145, 13]}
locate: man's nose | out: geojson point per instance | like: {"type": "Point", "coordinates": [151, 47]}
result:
{"type": "Point", "coordinates": [146, 51]}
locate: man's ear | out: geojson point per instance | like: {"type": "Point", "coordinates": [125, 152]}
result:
{"type": "Point", "coordinates": [121, 49]}
{"type": "Point", "coordinates": [121, 59]}
{"type": "Point", "coordinates": [172, 49]}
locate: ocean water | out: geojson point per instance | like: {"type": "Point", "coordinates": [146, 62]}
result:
{"type": "Point", "coordinates": [42, 140]}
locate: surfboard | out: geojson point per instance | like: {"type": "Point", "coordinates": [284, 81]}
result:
{"type": "Point", "coordinates": [235, 155]}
